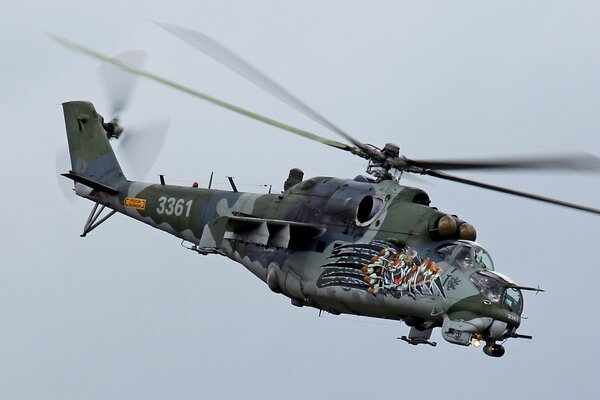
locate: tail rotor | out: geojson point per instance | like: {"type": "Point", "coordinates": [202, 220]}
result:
{"type": "Point", "coordinates": [138, 147]}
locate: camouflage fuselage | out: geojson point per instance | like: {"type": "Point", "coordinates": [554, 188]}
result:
{"type": "Point", "coordinates": [340, 245]}
{"type": "Point", "coordinates": [323, 216]}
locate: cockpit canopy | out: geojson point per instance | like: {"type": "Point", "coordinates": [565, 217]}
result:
{"type": "Point", "coordinates": [497, 290]}
{"type": "Point", "coordinates": [477, 262]}
{"type": "Point", "coordinates": [466, 255]}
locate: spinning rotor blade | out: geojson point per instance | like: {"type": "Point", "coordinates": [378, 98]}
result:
{"type": "Point", "coordinates": [119, 83]}
{"type": "Point", "coordinates": [579, 162]}
{"type": "Point", "coordinates": [80, 49]}
{"type": "Point", "coordinates": [442, 175]}
{"type": "Point", "coordinates": [140, 146]}
{"type": "Point", "coordinates": [384, 160]}
{"type": "Point", "coordinates": [234, 62]}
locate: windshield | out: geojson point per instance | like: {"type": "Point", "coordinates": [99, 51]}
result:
{"type": "Point", "coordinates": [483, 259]}
{"type": "Point", "coordinates": [494, 289]}
{"type": "Point", "coordinates": [513, 300]}
{"type": "Point", "coordinates": [463, 257]}
{"type": "Point", "coordinates": [466, 255]}
{"type": "Point", "coordinates": [488, 285]}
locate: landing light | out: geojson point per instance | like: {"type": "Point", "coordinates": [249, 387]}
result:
{"type": "Point", "coordinates": [476, 343]}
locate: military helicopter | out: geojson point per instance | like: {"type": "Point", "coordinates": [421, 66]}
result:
{"type": "Point", "coordinates": [366, 246]}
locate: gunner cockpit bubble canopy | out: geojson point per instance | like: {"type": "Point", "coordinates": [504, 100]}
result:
{"type": "Point", "coordinates": [465, 255]}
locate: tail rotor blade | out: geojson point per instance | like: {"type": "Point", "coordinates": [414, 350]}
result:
{"type": "Point", "coordinates": [120, 83]}
{"type": "Point", "coordinates": [140, 146]}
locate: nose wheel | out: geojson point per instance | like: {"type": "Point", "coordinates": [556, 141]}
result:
{"type": "Point", "coordinates": [493, 350]}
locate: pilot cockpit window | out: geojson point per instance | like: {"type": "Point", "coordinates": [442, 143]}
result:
{"type": "Point", "coordinates": [513, 300]}
{"type": "Point", "coordinates": [483, 259]}
{"type": "Point", "coordinates": [445, 252]}
{"type": "Point", "coordinates": [488, 285]}
{"type": "Point", "coordinates": [465, 255]}
{"type": "Point", "coordinates": [463, 258]}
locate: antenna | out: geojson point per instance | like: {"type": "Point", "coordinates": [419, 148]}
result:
{"type": "Point", "coordinates": [232, 183]}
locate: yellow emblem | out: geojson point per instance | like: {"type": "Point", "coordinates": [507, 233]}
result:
{"type": "Point", "coordinates": [133, 202]}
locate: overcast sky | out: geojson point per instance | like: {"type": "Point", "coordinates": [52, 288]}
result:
{"type": "Point", "coordinates": [128, 313]}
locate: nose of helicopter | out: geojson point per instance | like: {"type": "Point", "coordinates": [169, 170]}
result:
{"type": "Point", "coordinates": [498, 329]}
{"type": "Point", "coordinates": [504, 324]}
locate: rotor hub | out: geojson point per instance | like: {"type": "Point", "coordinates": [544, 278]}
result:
{"type": "Point", "coordinates": [113, 128]}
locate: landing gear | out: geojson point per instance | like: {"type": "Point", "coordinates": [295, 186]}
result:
{"type": "Point", "coordinates": [94, 219]}
{"type": "Point", "coordinates": [493, 350]}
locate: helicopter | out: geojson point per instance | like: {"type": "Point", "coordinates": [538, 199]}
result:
{"type": "Point", "coordinates": [366, 246]}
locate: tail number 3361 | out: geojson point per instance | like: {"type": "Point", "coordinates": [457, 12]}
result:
{"type": "Point", "coordinates": [174, 206]}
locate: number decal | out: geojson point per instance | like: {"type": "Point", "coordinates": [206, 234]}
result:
{"type": "Point", "coordinates": [161, 205]}
{"type": "Point", "coordinates": [174, 206]}
{"type": "Point", "coordinates": [189, 207]}
{"type": "Point", "coordinates": [179, 207]}
{"type": "Point", "coordinates": [171, 203]}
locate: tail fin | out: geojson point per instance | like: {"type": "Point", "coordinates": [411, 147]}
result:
{"type": "Point", "coordinates": [93, 161]}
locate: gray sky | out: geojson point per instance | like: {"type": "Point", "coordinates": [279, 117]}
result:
{"type": "Point", "coordinates": [128, 313]}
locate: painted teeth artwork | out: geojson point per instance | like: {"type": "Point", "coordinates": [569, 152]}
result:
{"type": "Point", "coordinates": [380, 267]}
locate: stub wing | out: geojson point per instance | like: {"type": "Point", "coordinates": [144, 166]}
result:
{"type": "Point", "coordinates": [264, 232]}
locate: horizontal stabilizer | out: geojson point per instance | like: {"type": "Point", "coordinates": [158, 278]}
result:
{"type": "Point", "coordinates": [90, 183]}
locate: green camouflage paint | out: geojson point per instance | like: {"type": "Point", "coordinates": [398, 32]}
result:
{"type": "Point", "coordinates": [341, 245]}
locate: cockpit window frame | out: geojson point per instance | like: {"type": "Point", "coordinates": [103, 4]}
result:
{"type": "Point", "coordinates": [519, 301]}
{"type": "Point", "coordinates": [457, 248]}
{"type": "Point", "coordinates": [491, 286]}
{"type": "Point", "coordinates": [487, 267]}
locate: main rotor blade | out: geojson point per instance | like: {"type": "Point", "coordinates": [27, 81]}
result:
{"type": "Point", "coordinates": [237, 64]}
{"type": "Point", "coordinates": [453, 178]}
{"type": "Point", "coordinates": [91, 53]}
{"type": "Point", "coordinates": [579, 162]}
